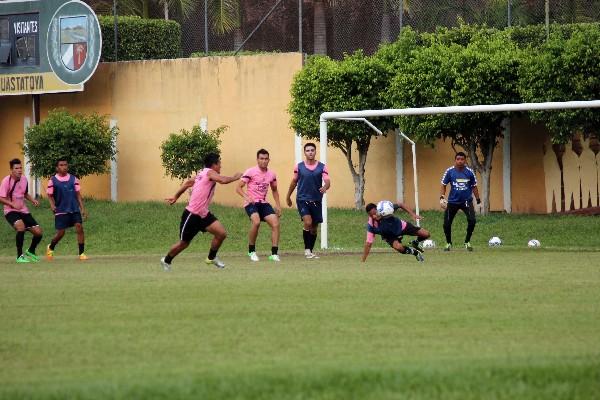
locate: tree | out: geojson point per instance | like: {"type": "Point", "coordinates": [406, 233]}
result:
{"type": "Point", "coordinates": [482, 72]}
{"type": "Point", "coordinates": [86, 141]}
{"type": "Point", "coordinates": [351, 84]}
{"type": "Point", "coordinates": [183, 154]}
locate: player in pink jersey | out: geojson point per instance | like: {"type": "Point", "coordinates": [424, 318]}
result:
{"type": "Point", "coordinates": [258, 179]}
{"type": "Point", "coordinates": [13, 193]}
{"type": "Point", "coordinates": [196, 217]}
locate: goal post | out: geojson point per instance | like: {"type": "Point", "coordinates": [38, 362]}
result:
{"type": "Point", "coordinates": [394, 112]}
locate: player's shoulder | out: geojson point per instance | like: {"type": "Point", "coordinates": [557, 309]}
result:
{"type": "Point", "coordinates": [470, 171]}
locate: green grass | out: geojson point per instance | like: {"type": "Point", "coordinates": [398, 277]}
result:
{"type": "Point", "coordinates": [500, 323]}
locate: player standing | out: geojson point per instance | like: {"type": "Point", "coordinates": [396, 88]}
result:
{"type": "Point", "coordinates": [259, 178]}
{"type": "Point", "coordinates": [13, 192]}
{"type": "Point", "coordinates": [463, 185]}
{"type": "Point", "coordinates": [196, 217]}
{"type": "Point", "coordinates": [392, 229]}
{"type": "Point", "coordinates": [64, 194]}
{"type": "Point", "coordinates": [309, 176]}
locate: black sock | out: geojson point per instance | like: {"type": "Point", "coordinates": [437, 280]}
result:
{"type": "Point", "coordinates": [313, 240]}
{"type": "Point", "coordinates": [168, 259]}
{"type": "Point", "coordinates": [410, 251]}
{"type": "Point", "coordinates": [20, 239]}
{"type": "Point", "coordinates": [251, 248]}
{"type": "Point", "coordinates": [53, 244]}
{"type": "Point", "coordinates": [306, 236]}
{"type": "Point", "coordinates": [212, 254]}
{"type": "Point", "coordinates": [274, 250]}
{"type": "Point", "coordinates": [34, 242]}
{"type": "Point", "coordinates": [81, 248]}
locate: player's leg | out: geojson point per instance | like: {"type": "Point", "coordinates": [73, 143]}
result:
{"type": "Point", "coordinates": [61, 223]}
{"type": "Point", "coordinates": [273, 221]}
{"type": "Point", "coordinates": [421, 235]}
{"type": "Point", "coordinates": [78, 224]}
{"type": "Point", "coordinates": [16, 221]}
{"type": "Point", "coordinates": [219, 233]}
{"type": "Point", "coordinates": [449, 215]}
{"type": "Point", "coordinates": [307, 222]}
{"type": "Point", "coordinates": [400, 248]}
{"type": "Point", "coordinates": [317, 217]}
{"type": "Point", "coordinates": [254, 215]}
{"type": "Point", "coordinates": [469, 211]}
{"type": "Point", "coordinates": [35, 229]}
{"type": "Point", "coordinates": [188, 228]}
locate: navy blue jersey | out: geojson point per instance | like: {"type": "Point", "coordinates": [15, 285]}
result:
{"type": "Point", "coordinates": [310, 181]}
{"type": "Point", "coordinates": [461, 184]}
{"type": "Point", "coordinates": [65, 195]}
{"type": "Point", "coordinates": [389, 227]}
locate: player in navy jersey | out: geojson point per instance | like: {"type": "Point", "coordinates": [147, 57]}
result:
{"type": "Point", "coordinates": [311, 179]}
{"type": "Point", "coordinates": [463, 185]}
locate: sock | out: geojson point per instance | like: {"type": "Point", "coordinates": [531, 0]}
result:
{"type": "Point", "coordinates": [251, 248]}
{"type": "Point", "coordinates": [53, 244]}
{"type": "Point", "coordinates": [212, 253]}
{"type": "Point", "coordinates": [410, 251]}
{"type": "Point", "coordinates": [274, 250]}
{"type": "Point", "coordinates": [20, 239]}
{"type": "Point", "coordinates": [306, 236]}
{"type": "Point", "coordinates": [313, 240]}
{"type": "Point", "coordinates": [34, 242]}
{"type": "Point", "coordinates": [81, 248]}
{"type": "Point", "coordinates": [168, 259]}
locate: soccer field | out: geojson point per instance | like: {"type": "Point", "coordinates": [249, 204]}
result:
{"type": "Point", "coordinates": [496, 323]}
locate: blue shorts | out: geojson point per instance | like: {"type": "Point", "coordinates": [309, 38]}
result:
{"type": "Point", "coordinates": [312, 208]}
{"type": "Point", "coordinates": [263, 210]}
{"type": "Point", "coordinates": [64, 221]}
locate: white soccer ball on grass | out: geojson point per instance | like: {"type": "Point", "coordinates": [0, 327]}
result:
{"type": "Point", "coordinates": [495, 242]}
{"type": "Point", "coordinates": [385, 208]}
{"type": "Point", "coordinates": [428, 244]}
{"type": "Point", "coordinates": [534, 243]}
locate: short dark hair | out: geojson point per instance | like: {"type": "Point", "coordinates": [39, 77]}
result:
{"type": "Point", "coordinates": [61, 159]}
{"type": "Point", "coordinates": [211, 159]}
{"type": "Point", "coordinates": [310, 144]}
{"type": "Point", "coordinates": [13, 162]}
{"type": "Point", "coordinates": [261, 151]}
{"type": "Point", "coordinates": [460, 154]}
{"type": "Point", "coordinates": [370, 206]}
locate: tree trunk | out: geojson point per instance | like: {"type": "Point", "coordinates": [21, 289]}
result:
{"type": "Point", "coordinates": [320, 28]}
{"type": "Point", "coordinates": [386, 31]}
{"type": "Point", "coordinates": [145, 8]}
{"type": "Point", "coordinates": [166, 10]}
{"type": "Point", "coordinates": [484, 168]}
{"type": "Point", "coordinates": [358, 177]}
{"type": "Point", "coordinates": [237, 38]}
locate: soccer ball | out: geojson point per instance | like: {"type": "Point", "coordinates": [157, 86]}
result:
{"type": "Point", "coordinates": [534, 243]}
{"type": "Point", "coordinates": [385, 208]}
{"type": "Point", "coordinates": [428, 244]}
{"type": "Point", "coordinates": [495, 242]}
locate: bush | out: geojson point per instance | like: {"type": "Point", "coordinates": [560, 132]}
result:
{"type": "Point", "coordinates": [183, 154]}
{"type": "Point", "coordinates": [140, 39]}
{"type": "Point", "coordinates": [86, 141]}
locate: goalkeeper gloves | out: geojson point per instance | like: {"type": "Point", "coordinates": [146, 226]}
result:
{"type": "Point", "coordinates": [443, 202]}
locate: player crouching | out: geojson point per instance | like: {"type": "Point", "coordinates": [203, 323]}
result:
{"type": "Point", "coordinates": [392, 229]}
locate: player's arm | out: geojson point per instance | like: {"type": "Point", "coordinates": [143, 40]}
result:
{"type": "Point", "coordinates": [276, 198]}
{"type": "Point", "coordinates": [6, 201]}
{"type": "Point", "coordinates": [327, 181]}
{"type": "Point", "coordinates": [368, 242]}
{"type": "Point", "coordinates": [476, 193]}
{"type": "Point", "coordinates": [366, 251]}
{"type": "Point", "coordinates": [408, 210]}
{"type": "Point", "coordinates": [443, 201]}
{"type": "Point", "coordinates": [239, 189]}
{"type": "Point", "coordinates": [223, 180]}
{"type": "Point", "coordinates": [81, 207]}
{"type": "Point", "coordinates": [32, 200]}
{"type": "Point", "coordinates": [185, 186]}
{"type": "Point", "coordinates": [293, 183]}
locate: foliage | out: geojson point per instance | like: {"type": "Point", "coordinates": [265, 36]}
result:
{"type": "Point", "coordinates": [86, 141]}
{"type": "Point", "coordinates": [562, 70]}
{"type": "Point", "coordinates": [140, 39]}
{"type": "Point", "coordinates": [183, 154]}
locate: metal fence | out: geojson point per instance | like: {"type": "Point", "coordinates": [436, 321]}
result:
{"type": "Point", "coordinates": [335, 27]}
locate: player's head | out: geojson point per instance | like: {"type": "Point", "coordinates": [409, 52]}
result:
{"type": "Point", "coordinates": [213, 161]}
{"type": "Point", "coordinates": [62, 166]}
{"type": "Point", "coordinates": [16, 168]}
{"type": "Point", "coordinates": [310, 151]}
{"type": "Point", "coordinates": [262, 158]}
{"type": "Point", "coordinates": [371, 209]}
{"type": "Point", "coordinates": [460, 159]}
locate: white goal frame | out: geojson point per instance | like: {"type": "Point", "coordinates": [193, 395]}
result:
{"type": "Point", "coordinates": [364, 114]}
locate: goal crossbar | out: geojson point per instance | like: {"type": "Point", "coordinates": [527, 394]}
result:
{"type": "Point", "coordinates": [394, 112]}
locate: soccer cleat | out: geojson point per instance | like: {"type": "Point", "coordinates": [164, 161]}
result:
{"type": "Point", "coordinates": [419, 256]}
{"type": "Point", "coordinates": [253, 256]}
{"type": "Point", "coordinates": [83, 257]}
{"type": "Point", "coordinates": [22, 259]}
{"type": "Point", "coordinates": [166, 266]}
{"type": "Point", "coordinates": [274, 257]}
{"type": "Point", "coordinates": [32, 257]}
{"type": "Point", "coordinates": [468, 246]}
{"type": "Point", "coordinates": [216, 262]}
{"type": "Point", "coordinates": [417, 245]}
{"type": "Point", "coordinates": [49, 253]}
{"type": "Point", "coordinates": [448, 247]}
{"type": "Point", "coordinates": [310, 255]}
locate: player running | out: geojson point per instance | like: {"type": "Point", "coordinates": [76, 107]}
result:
{"type": "Point", "coordinates": [258, 179]}
{"type": "Point", "coordinates": [309, 176]}
{"type": "Point", "coordinates": [13, 192]}
{"type": "Point", "coordinates": [392, 229]}
{"type": "Point", "coordinates": [196, 217]}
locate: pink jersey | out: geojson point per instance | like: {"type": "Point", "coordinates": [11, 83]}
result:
{"type": "Point", "coordinates": [202, 194]}
{"type": "Point", "coordinates": [258, 182]}
{"type": "Point", "coordinates": [16, 195]}
{"type": "Point", "coordinates": [50, 190]}
{"type": "Point", "coordinates": [374, 223]}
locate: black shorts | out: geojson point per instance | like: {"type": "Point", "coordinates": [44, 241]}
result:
{"type": "Point", "coordinates": [312, 208]}
{"type": "Point", "coordinates": [14, 216]}
{"type": "Point", "coordinates": [68, 220]}
{"type": "Point", "coordinates": [263, 210]}
{"type": "Point", "coordinates": [192, 223]}
{"type": "Point", "coordinates": [409, 229]}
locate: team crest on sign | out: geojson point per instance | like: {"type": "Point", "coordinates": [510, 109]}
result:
{"type": "Point", "coordinates": [74, 41]}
